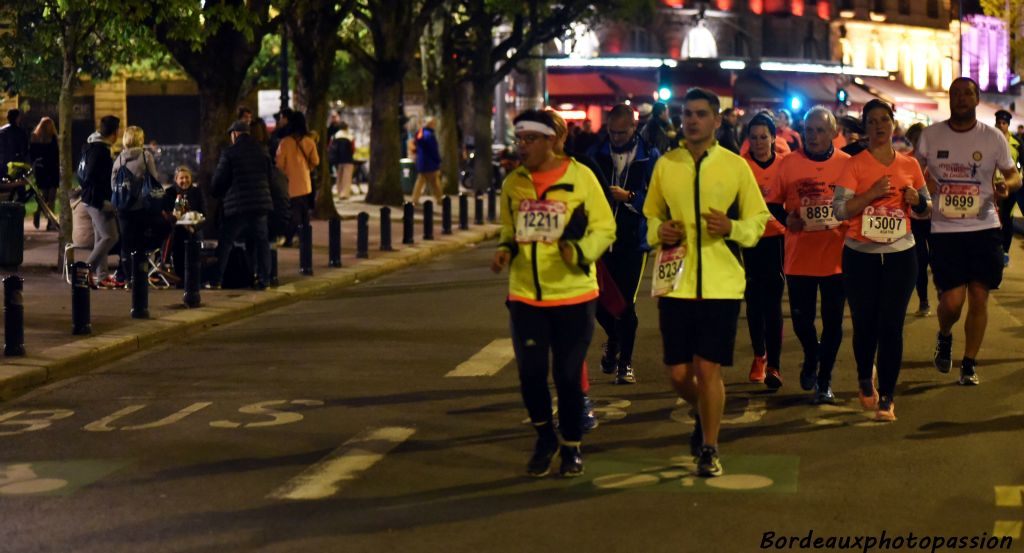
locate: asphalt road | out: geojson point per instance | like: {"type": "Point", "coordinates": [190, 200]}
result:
{"type": "Point", "coordinates": [331, 425]}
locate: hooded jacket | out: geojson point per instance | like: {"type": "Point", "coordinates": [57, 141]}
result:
{"type": "Point", "coordinates": [98, 169]}
{"type": "Point", "coordinates": [630, 223]}
{"type": "Point", "coordinates": [139, 162]}
{"type": "Point", "coordinates": [537, 274]}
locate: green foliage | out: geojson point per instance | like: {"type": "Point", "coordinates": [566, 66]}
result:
{"type": "Point", "coordinates": [350, 81]}
{"type": "Point", "coordinates": [94, 34]}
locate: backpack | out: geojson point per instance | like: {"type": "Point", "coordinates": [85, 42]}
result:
{"type": "Point", "coordinates": [131, 193]}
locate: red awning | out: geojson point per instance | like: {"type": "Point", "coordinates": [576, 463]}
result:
{"type": "Point", "coordinates": [578, 85]}
{"type": "Point", "coordinates": [816, 89]}
{"type": "Point", "coordinates": [636, 87]}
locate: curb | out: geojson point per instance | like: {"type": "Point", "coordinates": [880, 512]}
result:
{"type": "Point", "coordinates": [19, 375]}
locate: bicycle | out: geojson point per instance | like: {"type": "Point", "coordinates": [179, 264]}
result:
{"type": "Point", "coordinates": [20, 187]}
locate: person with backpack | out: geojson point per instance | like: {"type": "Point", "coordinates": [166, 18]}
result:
{"type": "Point", "coordinates": [94, 170]}
{"type": "Point", "coordinates": [134, 214]}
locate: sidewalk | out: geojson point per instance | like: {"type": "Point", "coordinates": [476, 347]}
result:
{"type": "Point", "coordinates": [52, 352]}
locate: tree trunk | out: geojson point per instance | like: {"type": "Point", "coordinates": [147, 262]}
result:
{"type": "Point", "coordinates": [385, 150]}
{"type": "Point", "coordinates": [483, 104]}
{"type": "Point", "coordinates": [216, 113]}
{"type": "Point", "coordinates": [311, 98]}
{"type": "Point", "coordinates": [66, 160]}
{"type": "Point", "coordinates": [448, 136]}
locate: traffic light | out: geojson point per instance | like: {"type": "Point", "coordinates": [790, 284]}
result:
{"type": "Point", "coordinates": [841, 96]}
{"type": "Point", "coordinates": [664, 83]}
{"type": "Point", "coordinates": [795, 103]}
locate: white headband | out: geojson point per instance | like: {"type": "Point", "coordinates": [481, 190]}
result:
{"type": "Point", "coordinates": [535, 127]}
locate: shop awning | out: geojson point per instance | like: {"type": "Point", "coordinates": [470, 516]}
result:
{"type": "Point", "coordinates": [899, 94]}
{"type": "Point", "coordinates": [577, 85]}
{"type": "Point", "coordinates": [815, 89]}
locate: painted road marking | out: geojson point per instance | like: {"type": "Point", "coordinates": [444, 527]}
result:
{"type": "Point", "coordinates": [754, 411]}
{"type": "Point", "coordinates": [53, 477]}
{"type": "Point", "coordinates": [743, 473]}
{"type": "Point", "coordinates": [325, 478]}
{"type": "Point", "coordinates": [605, 408]}
{"type": "Point", "coordinates": [263, 409]}
{"type": "Point", "coordinates": [1009, 496]}
{"type": "Point", "coordinates": [486, 362]}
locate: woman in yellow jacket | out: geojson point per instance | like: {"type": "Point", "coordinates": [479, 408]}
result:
{"type": "Point", "coordinates": [703, 203]}
{"type": "Point", "coordinates": [555, 224]}
{"type": "Point", "coordinates": [296, 156]}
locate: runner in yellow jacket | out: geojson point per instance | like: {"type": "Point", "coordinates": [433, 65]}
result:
{"type": "Point", "coordinates": [702, 205]}
{"type": "Point", "coordinates": [555, 224]}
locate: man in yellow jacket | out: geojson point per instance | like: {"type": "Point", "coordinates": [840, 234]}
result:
{"type": "Point", "coordinates": [555, 224]}
{"type": "Point", "coordinates": [702, 205]}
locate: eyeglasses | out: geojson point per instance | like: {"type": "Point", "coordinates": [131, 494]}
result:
{"type": "Point", "coordinates": [528, 138]}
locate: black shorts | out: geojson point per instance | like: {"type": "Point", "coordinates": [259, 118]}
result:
{"type": "Point", "coordinates": [961, 257]}
{"type": "Point", "coordinates": [698, 327]}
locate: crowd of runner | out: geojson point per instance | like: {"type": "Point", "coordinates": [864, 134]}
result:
{"type": "Point", "coordinates": [835, 223]}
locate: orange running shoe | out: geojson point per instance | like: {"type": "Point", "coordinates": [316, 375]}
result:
{"type": "Point", "coordinates": [868, 395]}
{"type": "Point", "coordinates": [757, 368]}
{"type": "Point", "coordinates": [886, 410]}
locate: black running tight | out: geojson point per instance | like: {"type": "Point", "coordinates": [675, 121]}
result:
{"type": "Point", "coordinates": [765, 284]}
{"type": "Point", "coordinates": [803, 303]}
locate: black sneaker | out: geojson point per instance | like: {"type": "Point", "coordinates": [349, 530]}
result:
{"type": "Point", "coordinates": [696, 438]}
{"type": "Point", "coordinates": [543, 451]}
{"type": "Point", "coordinates": [808, 377]}
{"type": "Point", "coordinates": [609, 359]}
{"type": "Point", "coordinates": [572, 461]}
{"type": "Point", "coordinates": [943, 353]}
{"type": "Point", "coordinates": [708, 463]}
{"type": "Point", "coordinates": [589, 420]}
{"type": "Point", "coordinates": [968, 376]}
{"type": "Point", "coordinates": [625, 375]}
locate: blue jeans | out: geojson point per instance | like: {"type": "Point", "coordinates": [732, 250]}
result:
{"type": "Point", "coordinates": [252, 228]}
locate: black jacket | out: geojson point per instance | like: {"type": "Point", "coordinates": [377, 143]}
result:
{"type": "Point", "coordinates": [630, 223]}
{"type": "Point", "coordinates": [727, 137]}
{"type": "Point", "coordinates": [242, 179]}
{"type": "Point", "coordinates": [46, 160]}
{"type": "Point", "coordinates": [196, 201]}
{"type": "Point", "coordinates": [99, 164]}
{"type": "Point", "coordinates": [13, 146]}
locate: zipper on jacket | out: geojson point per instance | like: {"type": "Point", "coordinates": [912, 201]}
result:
{"type": "Point", "coordinates": [533, 250]}
{"type": "Point", "coordinates": [696, 207]}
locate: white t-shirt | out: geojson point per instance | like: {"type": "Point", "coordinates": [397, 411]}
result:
{"type": "Point", "coordinates": [964, 164]}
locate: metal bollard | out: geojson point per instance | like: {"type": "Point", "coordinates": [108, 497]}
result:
{"type": "Point", "coordinates": [334, 242]}
{"type": "Point", "coordinates": [446, 215]}
{"type": "Point", "coordinates": [273, 266]}
{"type": "Point", "coordinates": [428, 220]}
{"type": "Point", "coordinates": [463, 212]}
{"type": "Point", "coordinates": [478, 210]}
{"type": "Point", "coordinates": [407, 223]}
{"type": "Point", "coordinates": [492, 205]}
{"type": "Point", "coordinates": [363, 235]}
{"type": "Point", "coordinates": [193, 272]}
{"type": "Point", "coordinates": [385, 229]}
{"type": "Point", "coordinates": [80, 313]}
{"type": "Point", "coordinates": [14, 316]}
{"type": "Point", "coordinates": [140, 286]}
{"type": "Point", "coordinates": [306, 249]}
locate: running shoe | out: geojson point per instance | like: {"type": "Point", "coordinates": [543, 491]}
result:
{"type": "Point", "coordinates": [758, 367]}
{"type": "Point", "coordinates": [943, 353]}
{"type": "Point", "coordinates": [543, 451]}
{"type": "Point", "coordinates": [868, 395]}
{"type": "Point", "coordinates": [824, 395]}
{"type": "Point", "coordinates": [697, 437]}
{"type": "Point", "coordinates": [625, 375]}
{"type": "Point", "coordinates": [808, 377]}
{"type": "Point", "coordinates": [924, 310]}
{"type": "Point", "coordinates": [609, 360]}
{"type": "Point", "coordinates": [886, 410]}
{"type": "Point", "coordinates": [111, 283]}
{"type": "Point", "coordinates": [572, 461]}
{"type": "Point", "coordinates": [1006, 260]}
{"type": "Point", "coordinates": [589, 420]}
{"type": "Point", "coordinates": [773, 379]}
{"type": "Point", "coordinates": [968, 375]}
{"type": "Point", "coordinates": [708, 463]}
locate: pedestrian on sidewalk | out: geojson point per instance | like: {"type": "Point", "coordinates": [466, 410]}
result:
{"type": "Point", "coordinates": [428, 162]}
{"type": "Point", "coordinates": [141, 229]}
{"type": "Point", "coordinates": [94, 170]}
{"type": "Point", "coordinates": [702, 202]}
{"type": "Point", "coordinates": [342, 152]}
{"type": "Point", "coordinates": [242, 183]}
{"type": "Point", "coordinates": [296, 156]}
{"type": "Point", "coordinates": [13, 141]}
{"type": "Point", "coordinates": [552, 282]}
{"type": "Point", "coordinates": [280, 218]}
{"type": "Point", "coordinates": [46, 162]}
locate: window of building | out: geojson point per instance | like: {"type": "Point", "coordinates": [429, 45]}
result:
{"type": "Point", "coordinates": [640, 41]}
{"type": "Point", "coordinates": [845, 5]}
{"type": "Point", "coordinates": [933, 8]}
{"type": "Point", "coordinates": [878, 6]}
{"type": "Point", "coordinates": [904, 7]}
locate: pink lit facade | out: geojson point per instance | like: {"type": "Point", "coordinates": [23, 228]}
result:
{"type": "Point", "coordinates": [986, 52]}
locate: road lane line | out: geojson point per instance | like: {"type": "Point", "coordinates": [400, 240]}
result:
{"type": "Point", "coordinates": [325, 478]}
{"type": "Point", "coordinates": [486, 362]}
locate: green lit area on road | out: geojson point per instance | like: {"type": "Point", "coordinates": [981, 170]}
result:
{"type": "Point", "coordinates": [54, 478]}
{"type": "Point", "coordinates": [743, 473]}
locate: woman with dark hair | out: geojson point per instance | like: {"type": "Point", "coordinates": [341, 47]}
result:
{"type": "Point", "coordinates": [875, 193]}
{"type": "Point", "coordinates": [45, 156]}
{"type": "Point", "coordinates": [763, 262]}
{"type": "Point", "coordinates": [296, 156]}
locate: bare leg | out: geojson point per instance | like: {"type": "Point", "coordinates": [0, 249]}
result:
{"type": "Point", "coordinates": [951, 304]}
{"type": "Point", "coordinates": [977, 318]}
{"type": "Point", "coordinates": [711, 391]}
